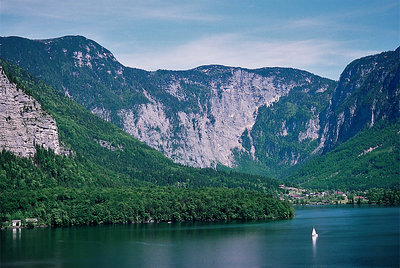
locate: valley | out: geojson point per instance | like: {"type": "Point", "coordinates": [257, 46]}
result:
{"type": "Point", "coordinates": [267, 121]}
{"type": "Point", "coordinates": [199, 133]}
{"type": "Point", "coordinates": [110, 177]}
{"type": "Point", "coordinates": [231, 134]}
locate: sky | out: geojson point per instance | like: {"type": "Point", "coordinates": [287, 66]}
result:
{"type": "Point", "coordinates": [320, 36]}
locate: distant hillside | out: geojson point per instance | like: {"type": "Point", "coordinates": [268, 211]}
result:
{"type": "Point", "coordinates": [361, 134]}
{"type": "Point", "coordinates": [104, 155]}
{"type": "Point", "coordinates": [205, 117]}
{"type": "Point", "coordinates": [368, 92]}
{"type": "Point", "coordinates": [369, 159]}
{"type": "Point", "coordinates": [268, 121]}
{"type": "Point", "coordinates": [110, 177]}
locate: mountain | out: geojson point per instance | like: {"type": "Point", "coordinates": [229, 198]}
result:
{"type": "Point", "coordinates": [104, 155]}
{"type": "Point", "coordinates": [361, 133]}
{"type": "Point", "coordinates": [368, 160]}
{"type": "Point", "coordinates": [269, 121]}
{"type": "Point", "coordinates": [102, 174]}
{"type": "Point", "coordinates": [261, 121]}
{"type": "Point", "coordinates": [368, 92]}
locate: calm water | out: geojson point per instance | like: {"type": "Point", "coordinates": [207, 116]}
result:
{"type": "Point", "coordinates": [348, 237]}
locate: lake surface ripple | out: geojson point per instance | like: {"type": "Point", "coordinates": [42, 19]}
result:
{"type": "Point", "coordinates": [348, 237]}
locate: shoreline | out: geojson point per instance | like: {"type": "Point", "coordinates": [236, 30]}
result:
{"type": "Point", "coordinates": [208, 221]}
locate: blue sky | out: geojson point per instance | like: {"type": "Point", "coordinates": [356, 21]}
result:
{"type": "Point", "coordinates": [320, 36]}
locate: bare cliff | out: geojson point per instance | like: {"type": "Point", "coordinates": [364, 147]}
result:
{"type": "Point", "coordinates": [23, 123]}
{"type": "Point", "coordinates": [368, 92]}
{"type": "Point", "coordinates": [207, 116]}
{"type": "Point", "coordinates": [214, 107]}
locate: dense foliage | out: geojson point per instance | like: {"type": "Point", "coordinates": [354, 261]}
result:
{"type": "Point", "coordinates": [367, 92]}
{"type": "Point", "coordinates": [275, 134]}
{"type": "Point", "coordinates": [95, 183]}
{"type": "Point", "coordinates": [81, 131]}
{"type": "Point", "coordinates": [46, 170]}
{"type": "Point", "coordinates": [368, 160]}
{"type": "Point", "coordinates": [77, 206]}
{"type": "Point", "coordinates": [387, 197]}
{"type": "Point", "coordinates": [95, 79]}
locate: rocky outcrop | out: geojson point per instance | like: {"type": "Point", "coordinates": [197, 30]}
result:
{"type": "Point", "coordinates": [208, 127]}
{"type": "Point", "coordinates": [23, 123]}
{"type": "Point", "coordinates": [200, 117]}
{"type": "Point", "coordinates": [270, 118]}
{"type": "Point", "coordinates": [368, 92]}
{"type": "Point", "coordinates": [110, 146]}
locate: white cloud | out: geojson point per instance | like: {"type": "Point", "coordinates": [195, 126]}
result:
{"type": "Point", "coordinates": [144, 33]}
{"type": "Point", "coordinates": [77, 10]}
{"type": "Point", "coordinates": [232, 50]}
{"type": "Point", "coordinates": [181, 12]}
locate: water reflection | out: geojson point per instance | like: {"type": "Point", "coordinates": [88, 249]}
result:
{"type": "Point", "coordinates": [314, 244]}
{"type": "Point", "coordinates": [345, 242]}
{"type": "Point", "coordinates": [16, 233]}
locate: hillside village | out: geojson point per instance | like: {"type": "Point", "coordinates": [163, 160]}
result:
{"type": "Point", "coordinates": [300, 196]}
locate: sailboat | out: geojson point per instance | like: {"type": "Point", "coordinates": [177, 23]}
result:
{"type": "Point", "coordinates": [314, 233]}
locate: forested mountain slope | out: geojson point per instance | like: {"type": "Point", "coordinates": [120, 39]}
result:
{"type": "Point", "coordinates": [370, 159]}
{"type": "Point", "coordinates": [110, 177]}
{"type": "Point", "coordinates": [361, 134]}
{"type": "Point", "coordinates": [104, 155]}
{"type": "Point", "coordinates": [208, 116]}
{"type": "Point", "coordinates": [268, 121]}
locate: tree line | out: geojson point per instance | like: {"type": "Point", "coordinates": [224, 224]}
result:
{"type": "Point", "coordinates": [62, 206]}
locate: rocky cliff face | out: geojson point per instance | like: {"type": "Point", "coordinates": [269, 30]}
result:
{"type": "Point", "coordinates": [368, 91]}
{"type": "Point", "coordinates": [214, 106]}
{"type": "Point", "coordinates": [23, 123]}
{"type": "Point", "coordinates": [202, 117]}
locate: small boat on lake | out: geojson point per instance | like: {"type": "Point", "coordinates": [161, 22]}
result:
{"type": "Point", "coordinates": [314, 233]}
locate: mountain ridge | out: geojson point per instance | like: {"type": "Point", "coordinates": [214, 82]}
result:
{"type": "Point", "coordinates": [367, 92]}
{"type": "Point", "coordinates": [104, 155]}
{"type": "Point", "coordinates": [181, 113]}
{"type": "Point", "coordinates": [266, 121]}
{"type": "Point", "coordinates": [111, 177]}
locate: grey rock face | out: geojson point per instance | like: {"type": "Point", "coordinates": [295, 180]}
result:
{"type": "Point", "coordinates": [209, 135]}
{"type": "Point", "coordinates": [368, 92]}
{"type": "Point", "coordinates": [23, 123]}
{"type": "Point", "coordinates": [200, 117]}
{"type": "Point", "coordinates": [109, 145]}
{"type": "Point", "coordinates": [102, 113]}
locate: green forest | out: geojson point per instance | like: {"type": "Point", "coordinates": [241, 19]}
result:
{"type": "Point", "coordinates": [61, 206]}
{"type": "Point", "coordinates": [351, 166]}
{"type": "Point", "coordinates": [135, 182]}
{"type": "Point", "coordinates": [133, 161]}
{"type": "Point", "coordinates": [386, 197]}
{"type": "Point", "coordinates": [126, 181]}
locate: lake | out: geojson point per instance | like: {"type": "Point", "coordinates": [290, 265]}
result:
{"type": "Point", "coordinates": [348, 237]}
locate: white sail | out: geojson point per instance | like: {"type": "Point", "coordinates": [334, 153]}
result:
{"type": "Point", "coordinates": [314, 233]}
